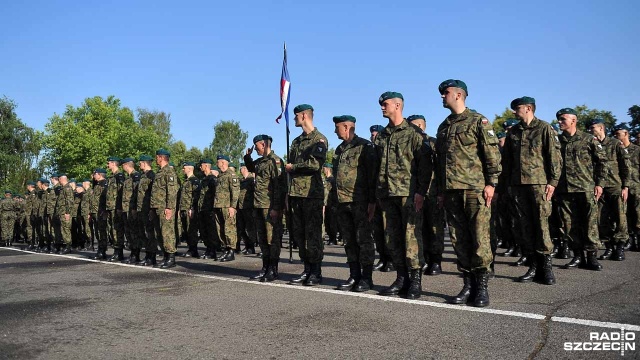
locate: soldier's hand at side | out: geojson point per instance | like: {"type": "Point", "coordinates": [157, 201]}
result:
{"type": "Point", "coordinates": [288, 168]}
{"type": "Point", "coordinates": [548, 190]}
{"type": "Point", "coordinates": [625, 194]}
{"type": "Point", "coordinates": [250, 150]}
{"type": "Point", "coordinates": [232, 212]}
{"type": "Point", "coordinates": [168, 213]}
{"type": "Point", "coordinates": [190, 214]}
{"type": "Point", "coordinates": [597, 192]}
{"type": "Point", "coordinates": [371, 210]}
{"type": "Point", "coordinates": [488, 194]}
{"type": "Point", "coordinates": [418, 201]}
{"type": "Point", "coordinates": [274, 214]}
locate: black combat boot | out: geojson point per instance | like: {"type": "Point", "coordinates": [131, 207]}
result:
{"type": "Point", "coordinates": [272, 272]}
{"type": "Point", "coordinates": [192, 252]}
{"type": "Point", "coordinates": [380, 264]}
{"type": "Point", "coordinates": [434, 267]}
{"type": "Point", "coordinates": [530, 275]}
{"type": "Point", "coordinates": [415, 285]}
{"type": "Point", "coordinates": [388, 266]}
{"type": "Point", "coordinates": [228, 256]}
{"type": "Point", "coordinates": [165, 258]}
{"type": "Point", "coordinates": [547, 278]}
{"type": "Point", "coordinates": [633, 240]}
{"type": "Point", "coordinates": [509, 251]}
{"type": "Point", "coordinates": [618, 252]}
{"type": "Point", "coordinates": [66, 250]}
{"type": "Point", "coordinates": [265, 267]}
{"type": "Point", "coordinates": [303, 277]}
{"type": "Point", "coordinates": [577, 261]}
{"type": "Point", "coordinates": [354, 277]}
{"type": "Point", "coordinates": [171, 262]}
{"type": "Point", "coordinates": [592, 261]}
{"type": "Point", "coordinates": [118, 255]}
{"type": "Point", "coordinates": [402, 279]}
{"type": "Point", "coordinates": [248, 250]}
{"type": "Point", "coordinates": [366, 281]}
{"type": "Point", "coordinates": [468, 291]}
{"type": "Point", "coordinates": [556, 246]}
{"type": "Point", "coordinates": [315, 275]}
{"type": "Point", "coordinates": [563, 250]}
{"type": "Point", "coordinates": [524, 260]}
{"type": "Point", "coordinates": [101, 254]}
{"type": "Point", "coordinates": [482, 297]}
{"type": "Point", "coordinates": [607, 252]}
{"type": "Point", "coordinates": [145, 261]}
{"type": "Point", "coordinates": [517, 252]}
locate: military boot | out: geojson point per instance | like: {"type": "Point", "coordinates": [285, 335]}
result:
{"type": "Point", "coordinates": [192, 252]}
{"type": "Point", "coordinates": [556, 246]}
{"type": "Point", "coordinates": [434, 267]}
{"type": "Point", "coordinates": [366, 281]}
{"type": "Point", "coordinates": [100, 254]}
{"type": "Point", "coordinates": [547, 278]}
{"type": "Point", "coordinates": [592, 261]}
{"type": "Point", "coordinates": [468, 290]}
{"type": "Point", "coordinates": [265, 267]}
{"type": "Point", "coordinates": [118, 255]}
{"type": "Point", "coordinates": [482, 296]}
{"type": "Point", "coordinates": [248, 250]}
{"type": "Point", "coordinates": [303, 277]}
{"type": "Point", "coordinates": [272, 272]}
{"type": "Point", "coordinates": [354, 277]}
{"type": "Point", "coordinates": [171, 262]}
{"type": "Point", "coordinates": [633, 239]}
{"type": "Point", "coordinates": [517, 252]}
{"type": "Point", "coordinates": [402, 278]}
{"type": "Point", "coordinates": [66, 250]}
{"type": "Point", "coordinates": [509, 251]}
{"type": "Point", "coordinates": [577, 261]}
{"type": "Point", "coordinates": [530, 275]}
{"type": "Point", "coordinates": [165, 258]}
{"type": "Point", "coordinates": [315, 275]}
{"type": "Point", "coordinates": [415, 285]}
{"type": "Point", "coordinates": [524, 260]}
{"type": "Point", "coordinates": [388, 267]}
{"type": "Point", "coordinates": [563, 250]}
{"type": "Point", "coordinates": [380, 264]}
{"type": "Point", "coordinates": [618, 253]}
{"type": "Point", "coordinates": [145, 261]}
{"type": "Point", "coordinates": [607, 252]}
{"type": "Point", "coordinates": [228, 256]}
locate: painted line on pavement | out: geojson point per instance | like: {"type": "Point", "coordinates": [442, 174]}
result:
{"type": "Point", "coordinates": [525, 315]}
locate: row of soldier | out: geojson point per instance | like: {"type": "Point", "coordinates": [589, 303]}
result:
{"type": "Point", "coordinates": [391, 195]}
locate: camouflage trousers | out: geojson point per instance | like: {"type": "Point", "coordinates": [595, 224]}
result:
{"type": "Point", "coordinates": [147, 231]}
{"type": "Point", "coordinates": [469, 225]}
{"type": "Point", "coordinates": [268, 232]}
{"type": "Point", "coordinates": [164, 230]}
{"type": "Point", "coordinates": [555, 220]}
{"type": "Point", "coordinates": [226, 228]}
{"type": "Point", "coordinates": [208, 232]}
{"type": "Point", "coordinates": [37, 230]}
{"type": "Point", "coordinates": [579, 212]}
{"type": "Point", "coordinates": [115, 227]}
{"type": "Point", "coordinates": [7, 225]}
{"type": "Point", "coordinates": [307, 220]}
{"type": "Point", "coordinates": [378, 233]}
{"type": "Point", "coordinates": [189, 227]}
{"type": "Point", "coordinates": [612, 217]}
{"type": "Point", "coordinates": [101, 230]}
{"type": "Point", "coordinates": [505, 222]}
{"type": "Point", "coordinates": [29, 230]}
{"type": "Point", "coordinates": [403, 232]}
{"type": "Point", "coordinates": [633, 211]}
{"type": "Point", "coordinates": [357, 232]}
{"type": "Point", "coordinates": [132, 227]}
{"type": "Point", "coordinates": [330, 222]}
{"type": "Point", "coordinates": [62, 228]}
{"type": "Point", "coordinates": [433, 224]}
{"type": "Point", "coordinates": [44, 229]}
{"type": "Point", "coordinates": [246, 227]}
{"type": "Point", "coordinates": [531, 213]}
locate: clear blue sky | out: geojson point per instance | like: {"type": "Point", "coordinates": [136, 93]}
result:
{"type": "Point", "coordinates": [213, 60]}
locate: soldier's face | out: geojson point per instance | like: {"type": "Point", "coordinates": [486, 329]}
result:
{"type": "Point", "coordinates": [260, 147]}
{"type": "Point", "coordinates": [112, 165]}
{"type": "Point", "coordinates": [244, 171]}
{"type": "Point", "coordinates": [621, 135]}
{"type": "Point", "coordinates": [567, 122]}
{"type": "Point", "coordinates": [223, 165]}
{"type": "Point", "coordinates": [597, 130]}
{"type": "Point", "coordinates": [342, 130]}
{"type": "Point", "coordinates": [501, 142]}
{"type": "Point", "coordinates": [449, 97]}
{"type": "Point", "coordinates": [389, 107]}
{"type": "Point", "coordinates": [299, 118]}
{"type": "Point", "coordinates": [520, 111]}
{"type": "Point", "coordinates": [373, 136]}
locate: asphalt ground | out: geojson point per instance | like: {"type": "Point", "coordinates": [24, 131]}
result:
{"type": "Point", "coordinates": [71, 307]}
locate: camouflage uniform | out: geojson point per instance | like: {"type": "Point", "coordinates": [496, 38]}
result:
{"type": "Point", "coordinates": [354, 163]}
{"type": "Point", "coordinates": [30, 213]}
{"type": "Point", "coordinates": [98, 213]}
{"type": "Point", "coordinates": [163, 196]}
{"type": "Point", "coordinates": [468, 159]}
{"type": "Point", "coordinates": [433, 222]}
{"type": "Point", "coordinates": [206, 222]}
{"type": "Point", "coordinates": [190, 192]}
{"type": "Point", "coordinates": [76, 229]}
{"type": "Point", "coordinates": [405, 170]}
{"type": "Point", "coordinates": [307, 154]}
{"type": "Point", "coordinates": [84, 217]}
{"type": "Point", "coordinates": [129, 211]}
{"type": "Point", "coordinates": [8, 207]}
{"type": "Point", "coordinates": [531, 160]}
{"type": "Point", "coordinates": [583, 168]}
{"type": "Point", "coordinates": [40, 216]}
{"type": "Point", "coordinates": [115, 221]}
{"type": "Point", "coordinates": [244, 217]}
{"type": "Point", "coordinates": [612, 224]}
{"type": "Point", "coordinates": [54, 223]}
{"type": "Point", "coordinates": [64, 206]}
{"type": "Point", "coordinates": [330, 209]}
{"type": "Point", "coordinates": [146, 228]}
{"type": "Point", "coordinates": [633, 201]}
{"type": "Point", "coordinates": [226, 197]}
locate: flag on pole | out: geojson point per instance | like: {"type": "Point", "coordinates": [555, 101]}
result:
{"type": "Point", "coordinates": [285, 88]}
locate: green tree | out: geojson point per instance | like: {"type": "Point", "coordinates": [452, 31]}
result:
{"type": "Point", "coordinates": [586, 116]}
{"type": "Point", "coordinates": [331, 152]}
{"type": "Point", "coordinates": [498, 120]}
{"type": "Point", "coordinates": [634, 124]}
{"type": "Point", "coordinates": [20, 148]}
{"type": "Point", "coordinates": [82, 138]}
{"type": "Point", "coordinates": [158, 122]}
{"type": "Point", "coordinates": [178, 151]}
{"type": "Point", "coordinates": [229, 139]}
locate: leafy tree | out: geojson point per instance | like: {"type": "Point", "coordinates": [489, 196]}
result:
{"type": "Point", "coordinates": [178, 151]}
{"type": "Point", "coordinates": [158, 122]}
{"type": "Point", "coordinates": [634, 124]}
{"type": "Point", "coordinates": [331, 152]}
{"type": "Point", "coordinates": [498, 120]}
{"type": "Point", "coordinates": [20, 147]}
{"type": "Point", "coordinates": [194, 154]}
{"type": "Point", "coordinates": [229, 139]}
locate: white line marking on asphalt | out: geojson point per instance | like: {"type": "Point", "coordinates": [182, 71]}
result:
{"type": "Point", "coordinates": [567, 320]}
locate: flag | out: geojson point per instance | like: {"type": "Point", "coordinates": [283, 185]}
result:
{"type": "Point", "coordinates": [285, 88]}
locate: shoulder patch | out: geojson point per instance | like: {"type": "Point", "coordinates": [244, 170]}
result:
{"type": "Point", "coordinates": [171, 178]}
{"type": "Point", "coordinates": [599, 146]}
{"type": "Point", "coordinates": [557, 138]}
{"type": "Point", "coordinates": [485, 121]}
{"type": "Point", "coordinates": [491, 133]}
{"type": "Point", "coordinates": [320, 148]}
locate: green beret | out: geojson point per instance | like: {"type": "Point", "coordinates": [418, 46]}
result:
{"type": "Point", "coordinates": [525, 100]}
{"type": "Point", "coordinates": [328, 165]}
{"type": "Point", "coordinates": [145, 158]}
{"type": "Point", "coordinates": [596, 121]}
{"type": "Point", "coordinates": [172, 164]}
{"type": "Point", "coordinates": [415, 117]}
{"type": "Point", "coordinates": [223, 157]}
{"type": "Point", "coordinates": [126, 160]}
{"type": "Point", "coordinates": [163, 152]}
{"type": "Point", "coordinates": [261, 138]}
{"type": "Point", "coordinates": [622, 126]}
{"type": "Point", "coordinates": [206, 161]}
{"type": "Point", "coordinates": [389, 95]}
{"type": "Point", "coordinates": [501, 134]}
{"type": "Point", "coordinates": [100, 171]}
{"type": "Point", "coordinates": [44, 181]}
{"type": "Point", "coordinates": [188, 163]}
{"type": "Point", "coordinates": [55, 175]}
{"type": "Point", "coordinates": [113, 158]}
{"type": "Point", "coordinates": [31, 183]}
{"type": "Point", "coordinates": [376, 128]}
{"type": "Point", "coordinates": [452, 83]}
{"type": "Point", "coordinates": [242, 164]}
{"type": "Point", "coordinates": [215, 168]}
{"type": "Point", "coordinates": [85, 180]}
{"type": "Point", "coordinates": [509, 123]}
{"type": "Point", "coordinates": [8, 192]}
{"type": "Point", "coordinates": [302, 107]}
{"type": "Point", "coordinates": [72, 180]}
{"type": "Point", "coordinates": [344, 118]}
{"type": "Point", "coordinates": [569, 111]}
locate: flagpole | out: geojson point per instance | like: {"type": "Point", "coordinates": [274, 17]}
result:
{"type": "Point", "coordinates": [289, 218]}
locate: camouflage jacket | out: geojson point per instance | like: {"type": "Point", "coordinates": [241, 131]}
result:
{"type": "Point", "coordinates": [145, 185]}
{"type": "Point", "coordinates": [115, 182]}
{"type": "Point", "coordinates": [330, 194]}
{"type": "Point", "coordinates": [430, 143]}
{"type": "Point", "coordinates": [245, 196]}
{"type": "Point", "coordinates": [85, 202]}
{"type": "Point", "coordinates": [165, 189]}
{"type": "Point", "coordinates": [633, 154]}
{"type": "Point", "coordinates": [584, 162]}
{"type": "Point", "coordinates": [99, 197]}
{"type": "Point", "coordinates": [52, 199]}
{"type": "Point", "coordinates": [65, 203]}
{"type": "Point", "coordinates": [207, 193]}
{"type": "Point", "coordinates": [77, 203]}
{"type": "Point", "coordinates": [190, 191]}
{"type": "Point", "coordinates": [42, 199]}
{"type": "Point", "coordinates": [227, 189]}
{"type": "Point", "coordinates": [30, 203]}
{"type": "Point", "coordinates": [531, 155]}
{"type": "Point", "coordinates": [617, 166]}
{"type": "Point", "coordinates": [307, 154]}
{"type": "Point", "coordinates": [268, 187]}
{"type": "Point", "coordinates": [8, 208]}
{"type": "Point", "coordinates": [467, 153]}
{"type": "Point", "coordinates": [354, 164]}
{"type": "Point", "coordinates": [130, 192]}
{"type": "Point", "coordinates": [404, 160]}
